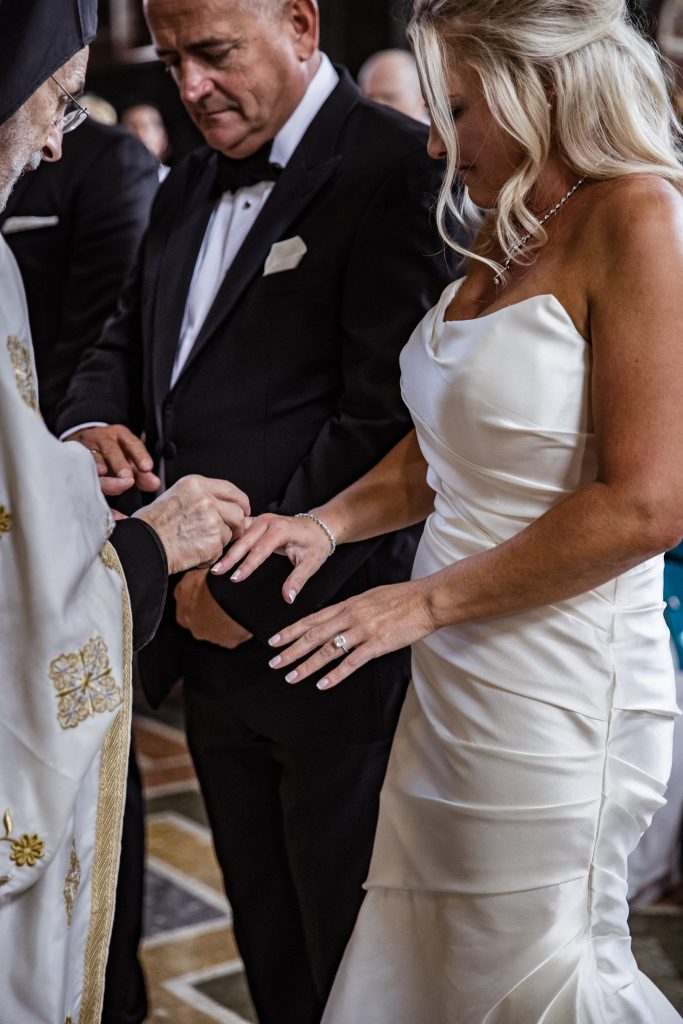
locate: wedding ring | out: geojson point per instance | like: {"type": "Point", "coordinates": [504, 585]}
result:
{"type": "Point", "coordinates": [340, 643]}
{"type": "Point", "coordinates": [94, 451]}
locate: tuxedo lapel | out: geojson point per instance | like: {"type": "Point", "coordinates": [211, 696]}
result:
{"type": "Point", "coordinates": [313, 164]}
{"type": "Point", "coordinates": [175, 274]}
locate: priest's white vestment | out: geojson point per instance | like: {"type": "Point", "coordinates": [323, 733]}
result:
{"type": "Point", "coordinates": [66, 650]}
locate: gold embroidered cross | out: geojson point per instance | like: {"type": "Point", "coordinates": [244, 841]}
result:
{"type": "Point", "coordinates": [84, 683]}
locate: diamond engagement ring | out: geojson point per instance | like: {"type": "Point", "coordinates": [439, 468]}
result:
{"type": "Point", "coordinates": [340, 643]}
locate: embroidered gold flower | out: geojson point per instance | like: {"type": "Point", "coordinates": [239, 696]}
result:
{"type": "Point", "coordinates": [72, 882]}
{"type": "Point", "coordinates": [23, 371]}
{"type": "Point", "coordinates": [26, 850]}
{"type": "Point", "coordinates": [5, 521]}
{"type": "Point", "coordinates": [84, 683]}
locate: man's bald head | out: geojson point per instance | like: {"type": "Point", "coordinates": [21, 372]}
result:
{"type": "Point", "coordinates": [390, 77]}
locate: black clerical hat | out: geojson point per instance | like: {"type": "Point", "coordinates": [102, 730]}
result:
{"type": "Point", "coordinates": [36, 38]}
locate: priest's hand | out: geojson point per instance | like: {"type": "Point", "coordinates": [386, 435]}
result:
{"type": "Point", "coordinates": [197, 611]}
{"type": "Point", "coordinates": [121, 458]}
{"type": "Point", "coordinates": [195, 519]}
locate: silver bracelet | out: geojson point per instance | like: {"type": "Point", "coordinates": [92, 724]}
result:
{"type": "Point", "coordinates": [323, 526]}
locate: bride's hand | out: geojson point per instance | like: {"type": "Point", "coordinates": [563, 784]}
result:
{"type": "Point", "coordinates": [302, 541]}
{"type": "Point", "coordinates": [364, 627]}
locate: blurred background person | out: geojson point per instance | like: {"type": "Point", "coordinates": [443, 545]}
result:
{"type": "Point", "coordinates": [390, 77]}
{"type": "Point", "coordinates": [144, 120]}
{"type": "Point", "coordinates": [99, 109]}
{"type": "Point", "coordinates": [74, 228]}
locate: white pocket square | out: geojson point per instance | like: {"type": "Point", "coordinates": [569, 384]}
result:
{"type": "Point", "coordinates": [13, 225]}
{"type": "Point", "coordinates": [285, 255]}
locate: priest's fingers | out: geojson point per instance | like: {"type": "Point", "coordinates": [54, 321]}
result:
{"type": "Point", "coordinates": [226, 491]}
{"type": "Point", "coordinates": [195, 519]}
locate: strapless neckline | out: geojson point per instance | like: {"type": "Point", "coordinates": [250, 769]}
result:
{"type": "Point", "coordinates": [547, 297]}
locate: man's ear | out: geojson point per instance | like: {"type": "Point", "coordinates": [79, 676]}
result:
{"type": "Point", "coordinates": [304, 19]}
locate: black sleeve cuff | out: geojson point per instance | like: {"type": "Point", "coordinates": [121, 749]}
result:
{"type": "Point", "coordinates": [143, 559]}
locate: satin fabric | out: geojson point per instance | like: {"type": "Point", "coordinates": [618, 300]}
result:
{"type": "Point", "coordinates": [532, 750]}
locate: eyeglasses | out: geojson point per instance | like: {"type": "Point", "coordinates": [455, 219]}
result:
{"type": "Point", "coordinates": [73, 116]}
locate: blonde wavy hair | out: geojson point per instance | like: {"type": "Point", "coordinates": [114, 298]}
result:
{"type": "Point", "coordinates": [610, 113]}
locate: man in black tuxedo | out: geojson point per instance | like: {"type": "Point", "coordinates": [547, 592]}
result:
{"type": "Point", "coordinates": [259, 339]}
{"type": "Point", "coordinates": [74, 228]}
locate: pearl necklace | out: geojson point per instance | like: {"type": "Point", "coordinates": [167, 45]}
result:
{"type": "Point", "coordinates": [523, 241]}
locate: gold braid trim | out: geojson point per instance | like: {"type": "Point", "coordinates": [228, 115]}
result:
{"type": "Point", "coordinates": [110, 803]}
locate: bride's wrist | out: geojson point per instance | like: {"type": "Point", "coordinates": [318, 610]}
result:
{"type": "Point", "coordinates": [323, 528]}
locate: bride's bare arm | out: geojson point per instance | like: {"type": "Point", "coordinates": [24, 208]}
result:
{"type": "Point", "coordinates": [392, 495]}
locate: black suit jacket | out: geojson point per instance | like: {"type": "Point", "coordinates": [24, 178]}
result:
{"type": "Point", "coordinates": [100, 193]}
{"type": "Point", "coordinates": [292, 388]}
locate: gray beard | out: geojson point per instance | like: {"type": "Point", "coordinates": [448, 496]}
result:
{"type": "Point", "coordinates": [14, 161]}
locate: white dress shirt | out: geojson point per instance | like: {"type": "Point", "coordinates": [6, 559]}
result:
{"type": "Point", "coordinates": [236, 213]}
{"type": "Point", "coordinates": [234, 216]}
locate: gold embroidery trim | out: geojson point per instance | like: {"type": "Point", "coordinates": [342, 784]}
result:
{"type": "Point", "coordinates": [5, 521]}
{"type": "Point", "coordinates": [110, 803]}
{"type": "Point", "coordinates": [72, 882]}
{"type": "Point", "coordinates": [84, 683]}
{"type": "Point", "coordinates": [26, 850]}
{"type": "Point", "coordinates": [23, 371]}
{"type": "Point", "coordinates": [109, 558]}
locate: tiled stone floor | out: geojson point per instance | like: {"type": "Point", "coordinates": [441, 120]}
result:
{"type": "Point", "coordinates": [193, 968]}
{"type": "Point", "coordinates": [194, 973]}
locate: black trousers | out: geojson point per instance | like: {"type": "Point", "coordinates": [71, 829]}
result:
{"type": "Point", "coordinates": [125, 997]}
{"type": "Point", "coordinates": [293, 826]}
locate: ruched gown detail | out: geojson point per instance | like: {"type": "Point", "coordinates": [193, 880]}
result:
{"type": "Point", "coordinates": [533, 749]}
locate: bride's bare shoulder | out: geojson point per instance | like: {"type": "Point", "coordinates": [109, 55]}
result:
{"type": "Point", "coordinates": [633, 203]}
{"type": "Point", "coordinates": [633, 219]}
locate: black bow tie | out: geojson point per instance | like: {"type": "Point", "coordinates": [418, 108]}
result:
{"type": "Point", "coordinates": [232, 175]}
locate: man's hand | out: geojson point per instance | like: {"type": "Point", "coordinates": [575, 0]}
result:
{"type": "Point", "coordinates": [121, 458]}
{"type": "Point", "coordinates": [195, 519]}
{"type": "Point", "coordinates": [197, 611]}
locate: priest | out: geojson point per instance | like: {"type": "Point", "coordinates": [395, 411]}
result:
{"type": "Point", "coordinates": [77, 594]}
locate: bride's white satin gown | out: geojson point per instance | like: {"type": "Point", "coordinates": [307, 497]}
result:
{"type": "Point", "coordinates": [532, 750]}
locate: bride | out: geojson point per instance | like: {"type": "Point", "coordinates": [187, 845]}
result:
{"type": "Point", "coordinates": [535, 742]}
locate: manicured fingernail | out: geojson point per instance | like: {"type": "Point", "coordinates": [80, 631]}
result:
{"type": "Point", "coordinates": [236, 575]}
{"type": "Point", "coordinates": [275, 662]}
{"type": "Point", "coordinates": [274, 639]}
{"type": "Point", "coordinates": [324, 684]}
{"type": "Point", "coordinates": [217, 567]}
{"type": "Point", "coordinates": [291, 596]}
{"type": "Point", "coordinates": [292, 677]}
